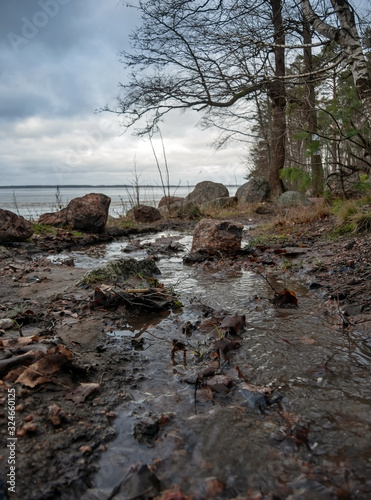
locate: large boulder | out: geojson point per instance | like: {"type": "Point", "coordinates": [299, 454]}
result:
{"type": "Point", "coordinates": [256, 190]}
{"type": "Point", "coordinates": [292, 199]}
{"type": "Point", "coordinates": [120, 270]}
{"type": "Point", "coordinates": [182, 209]}
{"type": "Point", "coordinates": [214, 237]}
{"type": "Point", "coordinates": [145, 213]}
{"type": "Point", "coordinates": [219, 203]}
{"type": "Point", "coordinates": [87, 213]}
{"type": "Point", "coordinates": [14, 227]}
{"type": "Point", "coordinates": [56, 219]}
{"type": "Point", "coordinates": [344, 184]}
{"type": "Point", "coordinates": [166, 201]}
{"type": "Point", "coordinates": [207, 191]}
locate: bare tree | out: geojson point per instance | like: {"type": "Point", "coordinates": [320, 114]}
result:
{"type": "Point", "coordinates": [206, 55]}
{"type": "Point", "coordinates": [315, 157]}
{"type": "Point", "coordinates": [345, 33]}
{"type": "Point", "coordinates": [277, 92]}
{"type": "Point", "coordinates": [219, 57]}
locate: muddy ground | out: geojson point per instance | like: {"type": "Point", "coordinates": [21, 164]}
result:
{"type": "Point", "coordinates": [66, 406]}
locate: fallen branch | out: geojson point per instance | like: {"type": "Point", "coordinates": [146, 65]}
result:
{"type": "Point", "coordinates": [7, 364]}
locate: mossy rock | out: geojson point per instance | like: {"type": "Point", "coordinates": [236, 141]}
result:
{"type": "Point", "coordinates": [120, 270]}
{"type": "Point", "coordinates": [293, 199]}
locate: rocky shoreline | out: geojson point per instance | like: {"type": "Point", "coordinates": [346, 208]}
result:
{"type": "Point", "coordinates": [65, 416]}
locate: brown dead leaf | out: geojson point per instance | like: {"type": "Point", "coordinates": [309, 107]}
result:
{"type": "Point", "coordinates": [285, 298]}
{"type": "Point", "coordinates": [307, 340]}
{"type": "Point", "coordinates": [81, 392]}
{"type": "Point", "coordinates": [14, 343]}
{"type": "Point", "coordinates": [41, 371]}
{"type": "Point", "coordinates": [223, 346]}
{"type": "Point", "coordinates": [220, 384]}
{"type": "Point", "coordinates": [173, 494]}
{"type": "Point", "coordinates": [220, 379]}
{"type": "Point", "coordinates": [233, 324]}
{"type": "Point", "coordinates": [208, 371]}
{"type": "Point", "coordinates": [290, 418]}
{"type": "Point", "coordinates": [204, 395]}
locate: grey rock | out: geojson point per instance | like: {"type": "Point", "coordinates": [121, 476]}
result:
{"type": "Point", "coordinates": [207, 191]}
{"type": "Point", "coordinates": [166, 201]}
{"type": "Point", "coordinates": [256, 190]}
{"type": "Point", "coordinates": [218, 203]}
{"type": "Point", "coordinates": [293, 199]}
{"type": "Point", "coordinates": [215, 236]}
{"type": "Point", "coordinates": [13, 227]}
{"type": "Point", "coordinates": [87, 213]}
{"type": "Point", "coordinates": [146, 213]}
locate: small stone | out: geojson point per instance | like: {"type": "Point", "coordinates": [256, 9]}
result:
{"type": "Point", "coordinates": [29, 427]}
{"type": "Point", "coordinates": [86, 449]}
{"type": "Point", "coordinates": [6, 323]}
{"type": "Point", "coordinates": [213, 486]}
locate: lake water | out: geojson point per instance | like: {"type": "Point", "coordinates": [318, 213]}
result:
{"type": "Point", "coordinates": [31, 202]}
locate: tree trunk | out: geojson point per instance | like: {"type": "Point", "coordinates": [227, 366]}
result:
{"type": "Point", "coordinates": [315, 157]}
{"type": "Point", "coordinates": [348, 38]}
{"type": "Point", "coordinates": [278, 96]}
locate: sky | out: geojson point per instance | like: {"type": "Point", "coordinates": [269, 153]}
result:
{"type": "Point", "coordinates": [59, 63]}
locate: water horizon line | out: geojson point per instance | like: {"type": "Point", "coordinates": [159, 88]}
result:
{"type": "Point", "coordinates": [75, 186]}
{"type": "Point", "coordinates": [48, 186]}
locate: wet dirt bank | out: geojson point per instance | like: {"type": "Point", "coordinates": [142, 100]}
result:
{"type": "Point", "coordinates": [74, 428]}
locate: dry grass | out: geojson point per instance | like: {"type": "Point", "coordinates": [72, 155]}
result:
{"type": "Point", "coordinates": [352, 216]}
{"type": "Point", "coordinates": [301, 215]}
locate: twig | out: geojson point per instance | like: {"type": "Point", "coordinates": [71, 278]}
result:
{"type": "Point", "coordinates": [266, 279]}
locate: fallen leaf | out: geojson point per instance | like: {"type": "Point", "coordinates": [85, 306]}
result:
{"type": "Point", "coordinates": [233, 324]}
{"type": "Point", "coordinates": [307, 340]}
{"type": "Point", "coordinates": [285, 298]}
{"type": "Point", "coordinates": [50, 363]}
{"type": "Point", "coordinates": [223, 346]}
{"type": "Point", "coordinates": [209, 371]}
{"type": "Point", "coordinates": [13, 343]}
{"type": "Point", "coordinates": [213, 486]}
{"type": "Point", "coordinates": [84, 390]}
{"type": "Point", "coordinates": [173, 494]}
{"type": "Point", "coordinates": [220, 380]}
{"type": "Point", "coordinates": [204, 395]}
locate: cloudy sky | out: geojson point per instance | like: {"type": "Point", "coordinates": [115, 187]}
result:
{"type": "Point", "coordinates": [59, 62]}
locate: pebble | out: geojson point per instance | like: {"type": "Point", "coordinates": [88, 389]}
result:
{"type": "Point", "coordinates": [6, 323]}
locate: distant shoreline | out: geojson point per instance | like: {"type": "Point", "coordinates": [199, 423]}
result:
{"type": "Point", "coordinates": [77, 186]}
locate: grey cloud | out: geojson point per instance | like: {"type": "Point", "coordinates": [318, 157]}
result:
{"type": "Point", "coordinates": [60, 69]}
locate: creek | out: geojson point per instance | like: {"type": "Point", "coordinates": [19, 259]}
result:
{"type": "Point", "coordinates": [312, 439]}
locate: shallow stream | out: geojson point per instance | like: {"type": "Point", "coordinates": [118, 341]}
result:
{"type": "Point", "coordinates": [310, 439]}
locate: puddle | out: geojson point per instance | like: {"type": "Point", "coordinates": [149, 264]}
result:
{"type": "Point", "coordinates": [311, 441]}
